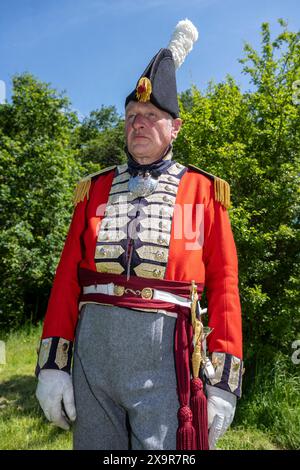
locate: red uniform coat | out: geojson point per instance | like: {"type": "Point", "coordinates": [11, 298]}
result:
{"type": "Point", "coordinates": [213, 263]}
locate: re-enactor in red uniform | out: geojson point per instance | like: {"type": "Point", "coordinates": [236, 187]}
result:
{"type": "Point", "coordinates": [146, 238]}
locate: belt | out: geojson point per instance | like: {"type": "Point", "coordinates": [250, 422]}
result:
{"type": "Point", "coordinates": [145, 293]}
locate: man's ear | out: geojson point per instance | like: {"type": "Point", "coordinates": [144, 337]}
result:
{"type": "Point", "coordinates": [176, 126]}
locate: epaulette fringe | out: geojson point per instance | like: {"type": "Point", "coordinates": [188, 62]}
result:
{"type": "Point", "coordinates": [82, 189]}
{"type": "Point", "coordinates": [221, 187]}
{"type": "Point", "coordinates": [222, 192]}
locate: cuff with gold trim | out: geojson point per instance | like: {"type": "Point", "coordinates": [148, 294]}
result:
{"type": "Point", "coordinates": [54, 353]}
{"type": "Point", "coordinates": [228, 372]}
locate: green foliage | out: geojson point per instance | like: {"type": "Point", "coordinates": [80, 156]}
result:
{"type": "Point", "coordinates": [100, 139]}
{"type": "Point", "coordinates": [37, 176]}
{"type": "Point", "coordinates": [252, 140]}
{"type": "Point", "coordinates": [272, 401]}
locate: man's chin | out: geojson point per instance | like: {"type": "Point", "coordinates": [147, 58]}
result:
{"type": "Point", "coordinates": [139, 150]}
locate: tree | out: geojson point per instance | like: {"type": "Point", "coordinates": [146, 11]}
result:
{"type": "Point", "coordinates": [38, 172]}
{"type": "Point", "coordinates": [100, 140]}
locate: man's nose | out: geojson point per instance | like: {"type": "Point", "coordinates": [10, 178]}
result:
{"type": "Point", "coordinates": [138, 122]}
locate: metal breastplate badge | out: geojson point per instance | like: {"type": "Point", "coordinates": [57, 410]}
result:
{"type": "Point", "coordinates": [142, 185]}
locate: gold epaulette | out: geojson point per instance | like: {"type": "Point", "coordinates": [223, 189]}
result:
{"type": "Point", "coordinates": [221, 187]}
{"type": "Point", "coordinates": [83, 186]}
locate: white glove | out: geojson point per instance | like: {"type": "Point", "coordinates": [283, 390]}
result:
{"type": "Point", "coordinates": [220, 409]}
{"type": "Point", "coordinates": [54, 389]}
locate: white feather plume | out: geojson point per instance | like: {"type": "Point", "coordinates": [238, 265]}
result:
{"type": "Point", "coordinates": [182, 40]}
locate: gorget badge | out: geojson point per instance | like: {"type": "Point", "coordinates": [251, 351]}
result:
{"type": "Point", "coordinates": [142, 185]}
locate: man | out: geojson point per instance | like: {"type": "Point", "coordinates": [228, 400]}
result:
{"type": "Point", "coordinates": [145, 239]}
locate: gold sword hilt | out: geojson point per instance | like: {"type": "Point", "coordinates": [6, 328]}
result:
{"type": "Point", "coordinates": [197, 332]}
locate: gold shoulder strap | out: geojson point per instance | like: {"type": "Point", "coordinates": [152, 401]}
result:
{"type": "Point", "coordinates": [83, 186]}
{"type": "Point", "coordinates": [221, 187]}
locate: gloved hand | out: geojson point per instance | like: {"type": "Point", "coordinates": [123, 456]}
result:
{"type": "Point", "coordinates": [55, 390]}
{"type": "Point", "coordinates": [220, 409]}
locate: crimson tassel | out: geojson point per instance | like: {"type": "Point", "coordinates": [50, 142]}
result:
{"type": "Point", "coordinates": [186, 435]}
{"type": "Point", "coordinates": [199, 412]}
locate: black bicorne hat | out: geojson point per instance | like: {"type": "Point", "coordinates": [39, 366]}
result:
{"type": "Point", "coordinates": [157, 84]}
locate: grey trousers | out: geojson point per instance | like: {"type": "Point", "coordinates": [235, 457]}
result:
{"type": "Point", "coordinates": [124, 380]}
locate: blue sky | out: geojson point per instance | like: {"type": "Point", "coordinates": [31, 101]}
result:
{"type": "Point", "coordinates": [96, 50]}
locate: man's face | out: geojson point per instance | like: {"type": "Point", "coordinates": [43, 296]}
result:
{"type": "Point", "coordinates": [149, 131]}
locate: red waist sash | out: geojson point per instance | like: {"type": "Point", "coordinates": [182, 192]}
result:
{"type": "Point", "coordinates": [132, 297]}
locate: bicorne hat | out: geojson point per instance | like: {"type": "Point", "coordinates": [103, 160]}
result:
{"type": "Point", "coordinates": [157, 83]}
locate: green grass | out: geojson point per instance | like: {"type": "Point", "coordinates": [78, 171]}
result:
{"type": "Point", "coordinates": [22, 423]}
{"type": "Point", "coordinates": [274, 402]}
{"type": "Point", "coordinates": [242, 438]}
{"type": "Point", "coordinates": [258, 425]}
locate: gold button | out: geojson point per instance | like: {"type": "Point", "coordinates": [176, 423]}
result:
{"type": "Point", "coordinates": [119, 290]}
{"type": "Point", "coordinates": [171, 179]}
{"type": "Point", "coordinates": [161, 225]}
{"type": "Point", "coordinates": [161, 241]}
{"type": "Point", "coordinates": [147, 293]}
{"type": "Point", "coordinates": [178, 165]}
{"type": "Point", "coordinates": [168, 188]}
{"type": "Point", "coordinates": [166, 199]}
